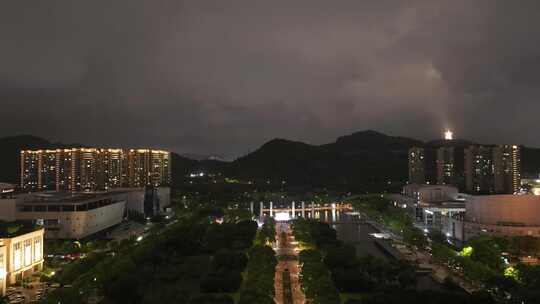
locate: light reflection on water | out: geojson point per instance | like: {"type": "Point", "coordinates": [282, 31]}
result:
{"type": "Point", "coordinates": [352, 230]}
{"type": "Point", "coordinates": [329, 216]}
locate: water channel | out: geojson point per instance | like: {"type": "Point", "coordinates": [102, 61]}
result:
{"type": "Point", "coordinates": [353, 230]}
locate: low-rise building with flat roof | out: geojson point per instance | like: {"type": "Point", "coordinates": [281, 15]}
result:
{"type": "Point", "coordinates": [66, 215]}
{"type": "Point", "coordinates": [430, 203]}
{"type": "Point", "coordinates": [422, 193]}
{"type": "Point", "coordinates": [21, 253]}
{"type": "Point", "coordinates": [72, 216]}
{"type": "Point", "coordinates": [496, 215]}
{"type": "Point", "coordinates": [76, 215]}
{"type": "Point", "coordinates": [6, 190]}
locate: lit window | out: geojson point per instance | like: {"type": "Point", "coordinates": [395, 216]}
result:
{"type": "Point", "coordinates": [37, 249]}
{"type": "Point", "coordinates": [17, 256]}
{"type": "Point", "coordinates": [27, 252]}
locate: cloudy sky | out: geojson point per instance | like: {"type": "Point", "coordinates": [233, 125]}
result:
{"type": "Point", "coordinates": [223, 77]}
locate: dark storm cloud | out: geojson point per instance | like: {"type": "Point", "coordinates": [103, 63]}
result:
{"type": "Point", "coordinates": [225, 76]}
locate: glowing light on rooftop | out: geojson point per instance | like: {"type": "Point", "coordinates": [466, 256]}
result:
{"type": "Point", "coordinates": [448, 135]}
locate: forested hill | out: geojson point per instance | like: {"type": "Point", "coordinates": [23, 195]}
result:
{"type": "Point", "coordinates": [367, 158]}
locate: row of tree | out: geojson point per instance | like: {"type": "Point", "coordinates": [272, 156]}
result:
{"type": "Point", "coordinates": [482, 261]}
{"type": "Point", "coordinates": [258, 285]}
{"type": "Point", "coordinates": [349, 272]}
{"type": "Point", "coordinates": [225, 273]}
{"type": "Point", "coordinates": [382, 210]}
{"type": "Point", "coordinates": [316, 279]}
{"type": "Point", "coordinates": [173, 265]}
{"type": "Point", "coordinates": [424, 297]}
{"type": "Point", "coordinates": [267, 233]}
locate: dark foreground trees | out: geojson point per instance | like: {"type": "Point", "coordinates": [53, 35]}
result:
{"type": "Point", "coordinates": [177, 265]}
{"type": "Point", "coordinates": [316, 280]}
{"type": "Point", "coordinates": [258, 286]}
{"type": "Point", "coordinates": [424, 297]}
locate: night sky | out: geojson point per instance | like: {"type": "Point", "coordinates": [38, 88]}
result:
{"type": "Point", "coordinates": [225, 76]}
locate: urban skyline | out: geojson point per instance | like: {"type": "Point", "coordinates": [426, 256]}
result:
{"type": "Point", "coordinates": [79, 169]}
{"type": "Point", "coordinates": [473, 168]}
{"type": "Point", "coordinates": [269, 152]}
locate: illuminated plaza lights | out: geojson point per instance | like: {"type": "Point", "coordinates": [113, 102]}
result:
{"type": "Point", "coordinates": [282, 217]}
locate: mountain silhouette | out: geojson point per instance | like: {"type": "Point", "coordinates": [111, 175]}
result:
{"type": "Point", "coordinates": [366, 160]}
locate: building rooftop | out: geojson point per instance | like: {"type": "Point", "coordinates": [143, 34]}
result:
{"type": "Point", "coordinates": [428, 186]}
{"type": "Point", "coordinates": [98, 150]}
{"type": "Point", "coordinates": [448, 204]}
{"type": "Point", "coordinates": [15, 229]}
{"type": "Point", "coordinates": [5, 188]}
{"type": "Point", "coordinates": [68, 197]}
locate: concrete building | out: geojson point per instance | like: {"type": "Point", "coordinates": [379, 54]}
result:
{"type": "Point", "coordinates": [438, 162]}
{"type": "Point", "coordinates": [425, 194]}
{"type": "Point", "coordinates": [507, 168]}
{"type": "Point", "coordinates": [76, 215]}
{"type": "Point", "coordinates": [447, 172]}
{"type": "Point", "coordinates": [3, 270]}
{"type": "Point", "coordinates": [149, 200]}
{"type": "Point", "coordinates": [6, 190]}
{"type": "Point", "coordinates": [21, 255]}
{"type": "Point", "coordinates": [497, 215]}
{"type": "Point", "coordinates": [479, 176]}
{"type": "Point", "coordinates": [417, 166]}
{"type": "Point", "coordinates": [493, 169]}
{"type": "Point", "coordinates": [91, 169]}
{"type": "Point", "coordinates": [505, 215]}
{"type": "Point", "coordinates": [474, 169]}
{"type": "Point", "coordinates": [66, 215]}
{"type": "Point", "coordinates": [428, 204]}
{"type": "Point", "coordinates": [148, 167]}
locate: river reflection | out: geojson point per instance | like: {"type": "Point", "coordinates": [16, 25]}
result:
{"type": "Point", "coordinates": [358, 235]}
{"type": "Point", "coordinates": [329, 215]}
{"type": "Point", "coordinates": [353, 230]}
{"type": "Point", "coordinates": [350, 228]}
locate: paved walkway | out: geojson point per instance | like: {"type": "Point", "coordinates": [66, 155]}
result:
{"type": "Point", "coordinates": [425, 260]}
{"type": "Point", "coordinates": [287, 259]}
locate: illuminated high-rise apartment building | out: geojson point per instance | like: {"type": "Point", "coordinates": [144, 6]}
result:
{"type": "Point", "coordinates": [479, 177]}
{"type": "Point", "coordinates": [493, 169]}
{"type": "Point", "coordinates": [507, 168]}
{"type": "Point", "coordinates": [417, 165]}
{"type": "Point", "coordinates": [473, 168]}
{"type": "Point", "coordinates": [30, 171]}
{"type": "Point", "coordinates": [92, 169]}
{"type": "Point", "coordinates": [148, 167]}
{"type": "Point", "coordinates": [110, 168]}
{"type": "Point", "coordinates": [446, 167]}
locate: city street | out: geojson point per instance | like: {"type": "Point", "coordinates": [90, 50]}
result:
{"type": "Point", "coordinates": [287, 260]}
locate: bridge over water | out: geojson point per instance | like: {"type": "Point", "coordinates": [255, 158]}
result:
{"type": "Point", "coordinates": [326, 212]}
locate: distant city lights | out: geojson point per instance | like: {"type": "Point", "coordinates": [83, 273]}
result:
{"type": "Point", "coordinates": [199, 174]}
